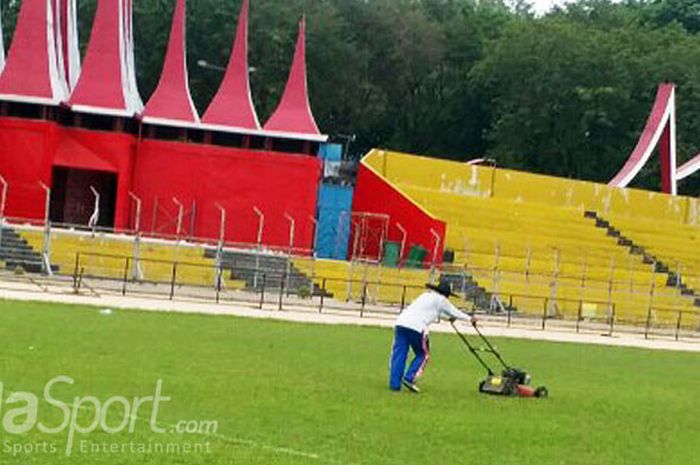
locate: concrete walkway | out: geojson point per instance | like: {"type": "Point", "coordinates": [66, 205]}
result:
{"type": "Point", "coordinates": [490, 326]}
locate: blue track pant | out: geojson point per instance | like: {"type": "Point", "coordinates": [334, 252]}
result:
{"type": "Point", "coordinates": [403, 339]}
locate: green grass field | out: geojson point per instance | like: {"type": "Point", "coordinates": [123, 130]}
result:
{"type": "Point", "coordinates": [310, 394]}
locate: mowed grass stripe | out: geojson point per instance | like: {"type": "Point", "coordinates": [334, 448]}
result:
{"type": "Point", "coordinates": [321, 390]}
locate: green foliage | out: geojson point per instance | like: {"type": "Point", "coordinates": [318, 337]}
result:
{"type": "Point", "coordinates": [304, 292]}
{"type": "Point", "coordinates": [566, 93]}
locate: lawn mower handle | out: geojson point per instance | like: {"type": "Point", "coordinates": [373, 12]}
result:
{"type": "Point", "coordinates": [471, 348]}
{"type": "Point", "coordinates": [491, 348]}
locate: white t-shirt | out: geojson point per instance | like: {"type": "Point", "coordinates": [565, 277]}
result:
{"type": "Point", "coordinates": [426, 309]}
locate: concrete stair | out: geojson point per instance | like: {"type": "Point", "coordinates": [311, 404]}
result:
{"type": "Point", "coordinates": [469, 288]}
{"type": "Point", "coordinates": [16, 252]}
{"type": "Point", "coordinates": [242, 266]}
{"type": "Point", "coordinates": [673, 280]}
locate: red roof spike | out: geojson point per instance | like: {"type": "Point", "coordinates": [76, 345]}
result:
{"type": "Point", "coordinates": [132, 90]}
{"type": "Point", "coordinates": [104, 85]}
{"type": "Point", "coordinates": [293, 114]}
{"type": "Point", "coordinates": [58, 23]}
{"type": "Point", "coordinates": [31, 73]}
{"type": "Point", "coordinates": [67, 30]}
{"type": "Point", "coordinates": [171, 102]}
{"type": "Point", "coordinates": [232, 106]}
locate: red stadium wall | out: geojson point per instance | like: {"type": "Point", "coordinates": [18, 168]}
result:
{"type": "Point", "coordinates": [26, 152]}
{"type": "Point", "coordinates": [202, 176]}
{"type": "Point", "coordinates": [374, 194]}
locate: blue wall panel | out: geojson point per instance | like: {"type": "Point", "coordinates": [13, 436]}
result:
{"type": "Point", "coordinates": [334, 209]}
{"type": "Point", "coordinates": [332, 152]}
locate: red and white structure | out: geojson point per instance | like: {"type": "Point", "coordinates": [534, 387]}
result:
{"type": "Point", "coordinates": [67, 33]}
{"type": "Point", "coordinates": [232, 106]}
{"type": "Point", "coordinates": [34, 70]}
{"type": "Point", "coordinates": [293, 114]}
{"type": "Point", "coordinates": [107, 82]}
{"type": "Point", "coordinates": [171, 102]}
{"type": "Point", "coordinates": [688, 168]}
{"type": "Point", "coordinates": [72, 126]}
{"type": "Point", "coordinates": [660, 130]}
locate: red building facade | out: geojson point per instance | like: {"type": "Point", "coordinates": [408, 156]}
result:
{"type": "Point", "coordinates": [71, 127]}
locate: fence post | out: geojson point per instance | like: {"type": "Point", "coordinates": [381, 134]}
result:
{"type": "Point", "coordinates": [283, 280]}
{"type": "Point", "coordinates": [95, 217]}
{"type": "Point", "coordinates": [323, 295]}
{"type": "Point", "coordinates": [528, 260]}
{"type": "Point", "coordinates": [402, 248]}
{"type": "Point", "coordinates": [648, 324]}
{"type": "Point", "coordinates": [314, 224]}
{"type": "Point", "coordinates": [610, 291]}
{"type": "Point", "coordinates": [46, 252]}
{"type": "Point", "coordinates": [364, 299]}
{"type": "Point", "coordinates": [137, 272]}
{"type": "Point", "coordinates": [3, 198]}
{"type": "Point", "coordinates": [348, 295]}
{"type": "Point", "coordinates": [220, 245]}
{"type": "Point", "coordinates": [290, 250]}
{"type": "Point", "coordinates": [218, 282]}
{"type": "Point", "coordinates": [555, 277]}
{"type": "Point", "coordinates": [510, 309]}
{"type": "Point", "coordinates": [496, 260]}
{"type": "Point", "coordinates": [262, 290]}
{"type": "Point", "coordinates": [172, 281]}
{"type": "Point", "coordinates": [544, 312]}
{"type": "Point", "coordinates": [436, 247]}
{"type": "Point", "coordinates": [579, 315]}
{"type": "Point", "coordinates": [678, 323]}
{"type": "Point", "coordinates": [80, 278]}
{"type": "Point", "coordinates": [180, 211]}
{"type": "Point", "coordinates": [651, 299]}
{"type": "Point", "coordinates": [126, 275]}
{"type": "Point", "coordinates": [261, 226]}
{"type": "Point", "coordinates": [612, 321]}
{"type": "Point", "coordinates": [313, 266]}
{"type": "Point", "coordinates": [75, 272]}
{"type": "Point", "coordinates": [403, 298]}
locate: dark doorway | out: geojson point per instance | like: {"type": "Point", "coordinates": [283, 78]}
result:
{"type": "Point", "coordinates": [72, 201]}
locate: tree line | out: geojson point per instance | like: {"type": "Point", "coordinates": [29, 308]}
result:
{"type": "Point", "coordinates": [566, 93]}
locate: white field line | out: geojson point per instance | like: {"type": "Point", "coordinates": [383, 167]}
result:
{"type": "Point", "coordinates": [172, 427]}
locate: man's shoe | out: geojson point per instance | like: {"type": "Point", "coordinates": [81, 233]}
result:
{"type": "Point", "coordinates": [411, 386]}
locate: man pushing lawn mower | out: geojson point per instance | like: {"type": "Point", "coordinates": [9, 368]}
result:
{"type": "Point", "coordinates": [411, 330]}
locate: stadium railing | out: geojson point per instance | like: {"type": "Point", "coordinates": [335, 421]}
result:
{"type": "Point", "coordinates": [188, 275]}
{"type": "Point", "coordinates": [275, 290]}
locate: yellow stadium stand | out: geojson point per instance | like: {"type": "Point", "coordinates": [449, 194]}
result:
{"type": "Point", "coordinates": [111, 256]}
{"type": "Point", "coordinates": [525, 238]}
{"type": "Point", "coordinates": [350, 281]}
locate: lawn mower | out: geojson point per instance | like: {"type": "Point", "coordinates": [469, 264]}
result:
{"type": "Point", "coordinates": [510, 382]}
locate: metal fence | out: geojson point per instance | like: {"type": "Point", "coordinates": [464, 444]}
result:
{"type": "Point", "coordinates": [366, 288]}
{"type": "Point", "coordinates": [274, 291]}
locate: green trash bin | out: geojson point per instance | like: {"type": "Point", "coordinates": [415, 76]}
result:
{"type": "Point", "coordinates": [391, 254]}
{"type": "Point", "coordinates": [416, 256]}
